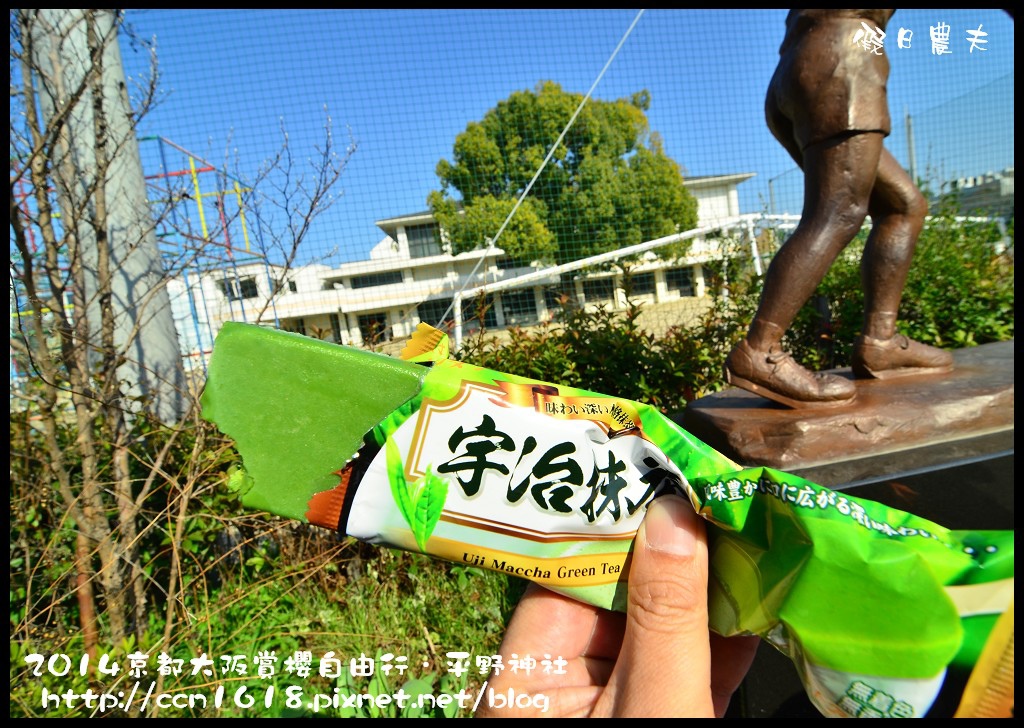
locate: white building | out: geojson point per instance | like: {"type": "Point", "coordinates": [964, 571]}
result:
{"type": "Point", "coordinates": [990, 194]}
{"type": "Point", "coordinates": [409, 278]}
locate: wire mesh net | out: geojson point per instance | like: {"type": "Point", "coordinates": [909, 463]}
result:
{"type": "Point", "coordinates": [348, 174]}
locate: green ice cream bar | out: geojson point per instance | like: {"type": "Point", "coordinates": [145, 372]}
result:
{"type": "Point", "coordinates": [550, 483]}
{"type": "Point", "coordinates": [298, 408]}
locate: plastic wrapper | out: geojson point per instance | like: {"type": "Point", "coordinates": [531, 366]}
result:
{"type": "Point", "coordinates": [550, 483]}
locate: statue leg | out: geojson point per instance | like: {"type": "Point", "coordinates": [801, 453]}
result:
{"type": "Point", "coordinates": [897, 210]}
{"type": "Point", "coordinates": [839, 175]}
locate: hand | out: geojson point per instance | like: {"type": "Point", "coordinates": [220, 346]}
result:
{"type": "Point", "coordinates": [659, 659]}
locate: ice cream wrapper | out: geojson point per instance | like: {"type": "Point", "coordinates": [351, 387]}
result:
{"type": "Point", "coordinates": [550, 483]}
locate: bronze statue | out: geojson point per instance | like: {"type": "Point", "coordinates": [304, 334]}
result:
{"type": "Point", "coordinates": [827, 105]}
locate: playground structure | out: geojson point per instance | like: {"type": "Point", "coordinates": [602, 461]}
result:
{"type": "Point", "coordinates": [195, 239]}
{"type": "Point", "coordinates": [195, 243]}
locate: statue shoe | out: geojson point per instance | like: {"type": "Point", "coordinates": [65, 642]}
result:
{"type": "Point", "coordinates": [898, 356]}
{"type": "Point", "coordinates": [778, 377]}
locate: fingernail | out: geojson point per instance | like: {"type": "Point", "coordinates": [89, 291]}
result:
{"type": "Point", "coordinates": [670, 526]}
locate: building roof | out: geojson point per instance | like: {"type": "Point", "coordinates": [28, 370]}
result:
{"type": "Point", "coordinates": [390, 224]}
{"type": "Point", "coordinates": [717, 179]}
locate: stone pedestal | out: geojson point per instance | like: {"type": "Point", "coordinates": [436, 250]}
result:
{"type": "Point", "coordinates": [894, 426]}
{"type": "Point", "coordinates": [940, 447]}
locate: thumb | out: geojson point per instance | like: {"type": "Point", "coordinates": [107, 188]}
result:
{"type": "Point", "coordinates": [664, 666]}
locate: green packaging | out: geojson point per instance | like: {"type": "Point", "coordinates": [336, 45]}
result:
{"type": "Point", "coordinates": [550, 483]}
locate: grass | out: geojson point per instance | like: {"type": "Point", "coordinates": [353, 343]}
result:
{"type": "Point", "coordinates": [345, 604]}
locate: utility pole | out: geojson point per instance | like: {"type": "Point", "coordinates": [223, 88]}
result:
{"type": "Point", "coordinates": [910, 146]}
{"type": "Point", "coordinates": [144, 332]}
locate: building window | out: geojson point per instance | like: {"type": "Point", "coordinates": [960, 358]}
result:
{"type": "Point", "coordinates": [424, 240]}
{"type": "Point", "coordinates": [297, 326]}
{"type": "Point", "coordinates": [284, 286]}
{"type": "Point", "coordinates": [520, 307]}
{"type": "Point", "coordinates": [506, 262]}
{"type": "Point", "coordinates": [377, 279]}
{"type": "Point", "coordinates": [556, 298]}
{"type": "Point", "coordinates": [236, 289]}
{"type": "Point", "coordinates": [247, 288]}
{"type": "Point", "coordinates": [680, 279]}
{"type": "Point", "coordinates": [335, 328]}
{"type": "Point", "coordinates": [601, 290]}
{"type": "Point", "coordinates": [374, 328]}
{"type": "Point", "coordinates": [640, 284]}
{"type": "Point", "coordinates": [430, 312]}
{"type": "Point", "coordinates": [471, 312]}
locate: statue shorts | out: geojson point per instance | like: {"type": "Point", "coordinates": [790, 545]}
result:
{"type": "Point", "coordinates": [826, 84]}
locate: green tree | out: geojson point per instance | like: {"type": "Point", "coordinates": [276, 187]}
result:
{"type": "Point", "coordinates": [608, 184]}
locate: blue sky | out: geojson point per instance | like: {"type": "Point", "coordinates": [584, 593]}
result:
{"type": "Point", "coordinates": [406, 82]}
